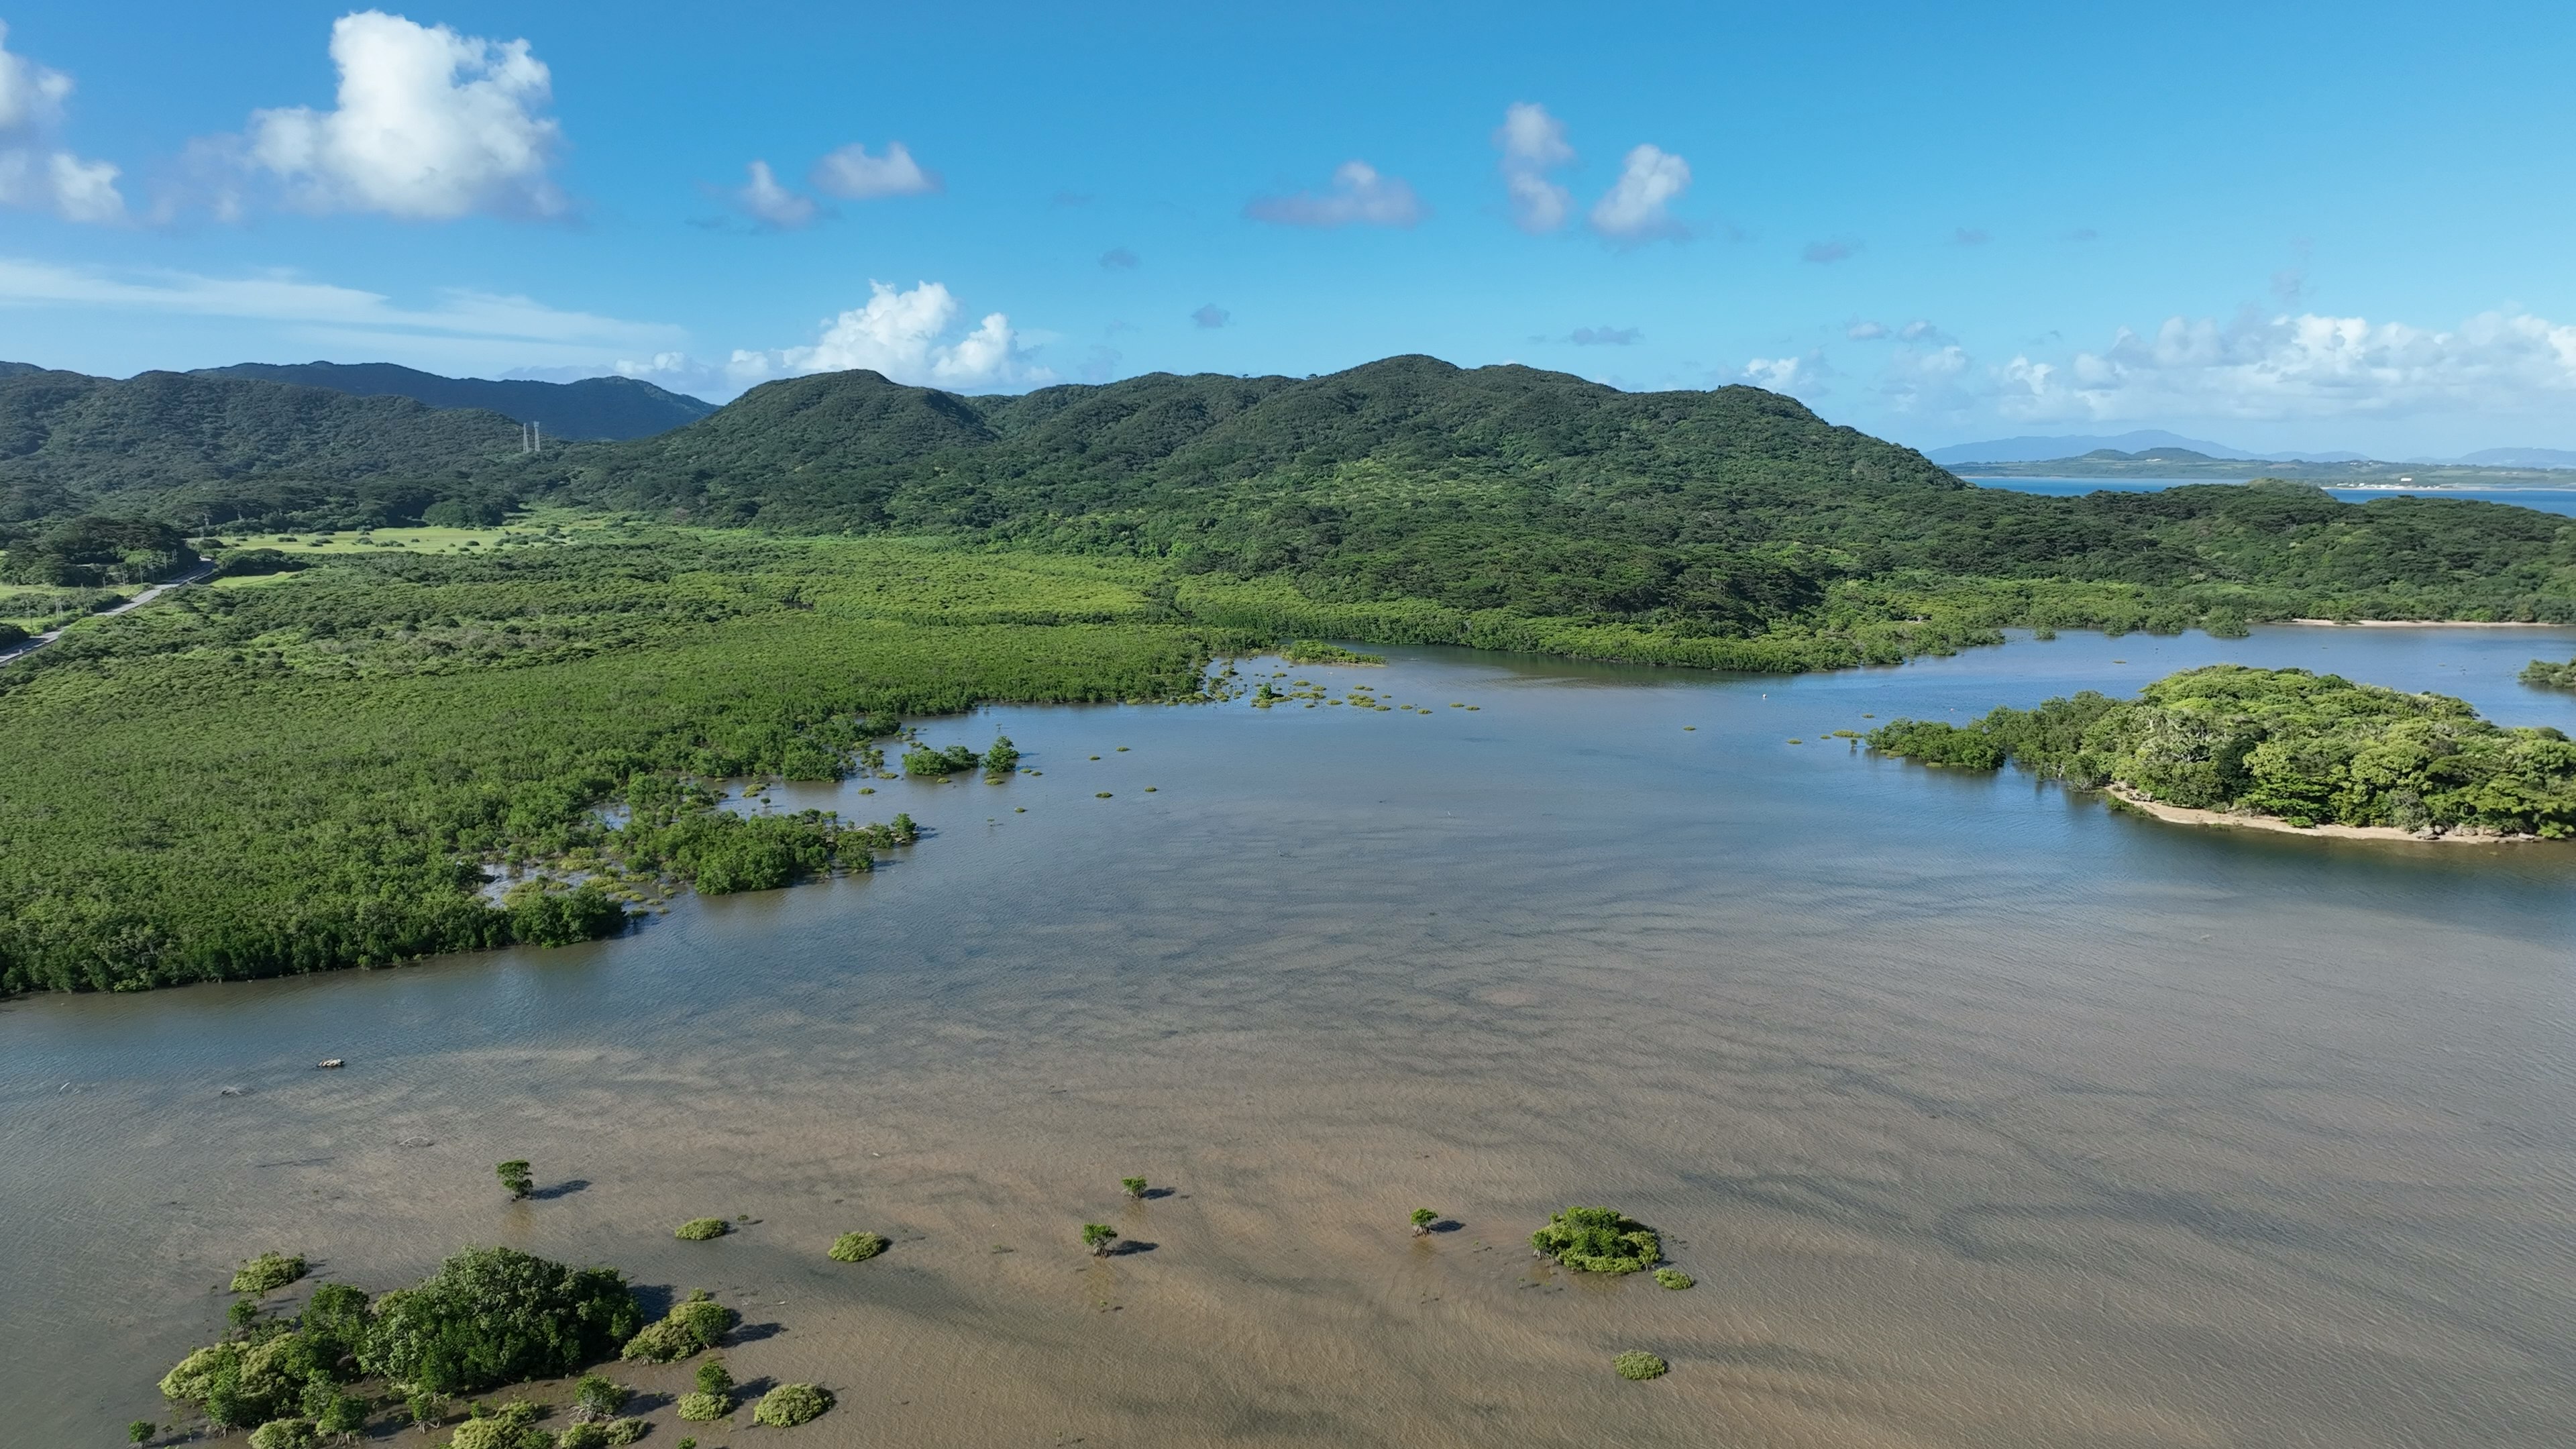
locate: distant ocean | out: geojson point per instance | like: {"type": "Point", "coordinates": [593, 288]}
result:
{"type": "Point", "coordinates": [2545, 500]}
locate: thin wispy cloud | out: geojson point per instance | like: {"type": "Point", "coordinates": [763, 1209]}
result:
{"type": "Point", "coordinates": [1638, 206]}
{"type": "Point", "coordinates": [1865, 331]}
{"type": "Point", "coordinates": [1826, 253]}
{"type": "Point", "coordinates": [1211, 315]}
{"type": "Point", "coordinates": [1604, 336]}
{"type": "Point", "coordinates": [1359, 195]}
{"type": "Point", "coordinates": [1119, 259]}
{"type": "Point", "coordinates": [1533, 144]}
{"type": "Point", "coordinates": [851, 174]}
{"type": "Point", "coordinates": [763, 200]}
{"type": "Point", "coordinates": [1971, 236]}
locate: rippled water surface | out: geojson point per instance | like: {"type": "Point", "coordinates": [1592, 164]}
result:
{"type": "Point", "coordinates": [1984, 1115]}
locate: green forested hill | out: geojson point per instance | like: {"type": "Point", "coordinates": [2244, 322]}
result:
{"type": "Point", "coordinates": [189, 449]}
{"type": "Point", "coordinates": [592, 407]}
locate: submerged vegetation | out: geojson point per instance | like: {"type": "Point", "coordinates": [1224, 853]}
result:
{"type": "Point", "coordinates": [1598, 1240]}
{"type": "Point", "coordinates": [1674, 1278]}
{"type": "Point", "coordinates": [858, 1247]}
{"type": "Point", "coordinates": [2309, 749]}
{"type": "Point", "coordinates": [1637, 1366]}
{"type": "Point", "coordinates": [1316, 651]}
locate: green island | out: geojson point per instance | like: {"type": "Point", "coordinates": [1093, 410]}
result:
{"type": "Point", "coordinates": [444, 695]}
{"type": "Point", "coordinates": [2284, 745]}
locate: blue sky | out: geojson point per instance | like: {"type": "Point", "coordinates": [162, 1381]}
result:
{"type": "Point", "coordinates": [2320, 226]}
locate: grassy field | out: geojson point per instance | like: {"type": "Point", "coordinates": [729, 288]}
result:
{"type": "Point", "coordinates": [316, 771]}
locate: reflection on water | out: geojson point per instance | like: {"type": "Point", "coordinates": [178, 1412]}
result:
{"type": "Point", "coordinates": [1983, 1115]}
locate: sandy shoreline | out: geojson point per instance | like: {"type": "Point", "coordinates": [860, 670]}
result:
{"type": "Point", "coordinates": [2429, 623]}
{"type": "Point", "coordinates": [2184, 815]}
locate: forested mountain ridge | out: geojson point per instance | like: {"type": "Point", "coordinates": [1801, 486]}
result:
{"type": "Point", "coordinates": [591, 407]}
{"type": "Point", "coordinates": [189, 449]}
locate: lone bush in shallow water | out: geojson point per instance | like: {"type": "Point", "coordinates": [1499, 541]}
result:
{"type": "Point", "coordinates": [857, 1247]}
{"type": "Point", "coordinates": [1097, 1237]}
{"type": "Point", "coordinates": [1674, 1278]}
{"type": "Point", "coordinates": [704, 1408]}
{"type": "Point", "coordinates": [698, 1230]}
{"type": "Point", "coordinates": [268, 1272]}
{"type": "Point", "coordinates": [692, 1324]}
{"type": "Point", "coordinates": [1638, 1365]}
{"type": "Point", "coordinates": [789, 1405]}
{"type": "Point", "coordinates": [1598, 1240]}
{"type": "Point", "coordinates": [1423, 1218]}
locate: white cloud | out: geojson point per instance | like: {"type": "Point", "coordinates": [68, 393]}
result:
{"type": "Point", "coordinates": [431, 125]}
{"type": "Point", "coordinates": [1798, 376]}
{"type": "Point", "coordinates": [33, 173]}
{"type": "Point", "coordinates": [1636, 208]}
{"type": "Point", "coordinates": [2304, 366]}
{"type": "Point", "coordinates": [853, 175]}
{"type": "Point", "coordinates": [1359, 194]}
{"type": "Point", "coordinates": [1865, 331]}
{"type": "Point", "coordinates": [1533, 144]}
{"type": "Point", "coordinates": [288, 298]}
{"type": "Point", "coordinates": [771, 204]}
{"type": "Point", "coordinates": [909, 336]}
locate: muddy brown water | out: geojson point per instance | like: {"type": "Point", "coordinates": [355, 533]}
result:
{"type": "Point", "coordinates": [1984, 1115]}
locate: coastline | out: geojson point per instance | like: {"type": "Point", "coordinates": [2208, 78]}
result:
{"type": "Point", "coordinates": [2185, 815]}
{"type": "Point", "coordinates": [2429, 623]}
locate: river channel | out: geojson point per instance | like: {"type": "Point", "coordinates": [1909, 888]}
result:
{"type": "Point", "coordinates": [1985, 1114]}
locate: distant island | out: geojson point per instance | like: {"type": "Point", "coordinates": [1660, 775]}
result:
{"type": "Point", "coordinates": [2226, 744]}
{"type": "Point", "coordinates": [2111, 463]}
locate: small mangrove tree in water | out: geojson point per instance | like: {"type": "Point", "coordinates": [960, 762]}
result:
{"type": "Point", "coordinates": [1598, 1240]}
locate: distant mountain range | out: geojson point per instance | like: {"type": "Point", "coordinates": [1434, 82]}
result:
{"type": "Point", "coordinates": [2152, 445]}
{"type": "Point", "coordinates": [593, 408]}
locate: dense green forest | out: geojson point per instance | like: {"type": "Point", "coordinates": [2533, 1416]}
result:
{"type": "Point", "coordinates": [592, 407]}
{"type": "Point", "coordinates": [1406, 500]}
{"type": "Point", "coordinates": [2307, 748]}
{"type": "Point", "coordinates": [318, 769]}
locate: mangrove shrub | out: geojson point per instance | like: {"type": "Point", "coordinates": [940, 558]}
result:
{"type": "Point", "coordinates": [857, 1247]}
{"type": "Point", "coordinates": [789, 1405]}
{"type": "Point", "coordinates": [493, 1316]}
{"type": "Point", "coordinates": [1598, 1240]}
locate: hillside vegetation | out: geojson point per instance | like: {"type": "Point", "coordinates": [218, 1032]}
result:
{"type": "Point", "coordinates": [593, 407]}
{"type": "Point", "coordinates": [2307, 748]}
{"type": "Point", "coordinates": [1409, 501]}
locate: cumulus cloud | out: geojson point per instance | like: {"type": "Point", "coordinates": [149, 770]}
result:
{"type": "Point", "coordinates": [1211, 315]}
{"type": "Point", "coordinates": [851, 174]}
{"type": "Point", "coordinates": [1604, 336]}
{"type": "Point", "coordinates": [1533, 144]}
{"type": "Point", "coordinates": [911, 336]}
{"type": "Point", "coordinates": [34, 173]}
{"type": "Point", "coordinates": [1826, 253]}
{"type": "Point", "coordinates": [1118, 259]}
{"type": "Point", "coordinates": [2304, 366]}
{"type": "Point", "coordinates": [765, 201]}
{"type": "Point", "coordinates": [1637, 207]}
{"type": "Point", "coordinates": [1799, 376]}
{"type": "Point", "coordinates": [431, 125]}
{"type": "Point", "coordinates": [1359, 194]}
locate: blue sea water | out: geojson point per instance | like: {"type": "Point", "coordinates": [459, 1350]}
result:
{"type": "Point", "coordinates": [2546, 500]}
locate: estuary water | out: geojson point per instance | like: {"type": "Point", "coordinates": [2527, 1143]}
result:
{"type": "Point", "coordinates": [2545, 500]}
{"type": "Point", "coordinates": [1984, 1114]}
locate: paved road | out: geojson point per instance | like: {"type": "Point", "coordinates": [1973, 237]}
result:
{"type": "Point", "coordinates": [197, 575]}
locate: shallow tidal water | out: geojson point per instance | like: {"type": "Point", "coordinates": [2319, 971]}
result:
{"type": "Point", "coordinates": [1985, 1114]}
